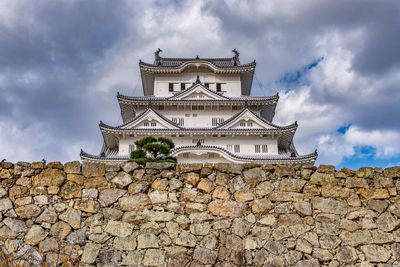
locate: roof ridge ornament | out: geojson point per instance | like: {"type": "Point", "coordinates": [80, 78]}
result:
{"type": "Point", "coordinates": [197, 57]}
{"type": "Point", "coordinates": [198, 79]}
{"type": "Point", "coordinates": [236, 57]}
{"type": "Point", "coordinates": [150, 105]}
{"type": "Point", "coordinates": [157, 57]}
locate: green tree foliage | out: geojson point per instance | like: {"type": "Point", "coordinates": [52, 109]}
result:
{"type": "Point", "coordinates": [151, 149]}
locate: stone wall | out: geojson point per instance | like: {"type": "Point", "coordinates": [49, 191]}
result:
{"type": "Point", "coordinates": [194, 215]}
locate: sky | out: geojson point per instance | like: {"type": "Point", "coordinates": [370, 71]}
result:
{"type": "Point", "coordinates": [335, 65]}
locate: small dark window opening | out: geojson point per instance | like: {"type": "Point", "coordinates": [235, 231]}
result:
{"type": "Point", "coordinates": [183, 86]}
{"type": "Point", "coordinates": [218, 87]}
{"type": "Point", "coordinates": [207, 85]}
{"type": "Point", "coordinates": [171, 87]}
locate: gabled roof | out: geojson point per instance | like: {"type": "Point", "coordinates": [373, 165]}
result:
{"type": "Point", "coordinates": [198, 88]}
{"type": "Point", "coordinates": [148, 113]}
{"type": "Point", "coordinates": [247, 113]}
{"type": "Point", "coordinates": [177, 65]}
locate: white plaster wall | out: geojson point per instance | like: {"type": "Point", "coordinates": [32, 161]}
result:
{"type": "Point", "coordinates": [231, 83]}
{"type": "Point", "coordinates": [200, 118]}
{"type": "Point", "coordinates": [247, 143]}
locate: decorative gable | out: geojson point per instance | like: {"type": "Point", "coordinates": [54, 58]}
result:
{"type": "Point", "coordinates": [198, 91]}
{"type": "Point", "coordinates": [246, 119]}
{"type": "Point", "coordinates": [150, 119]}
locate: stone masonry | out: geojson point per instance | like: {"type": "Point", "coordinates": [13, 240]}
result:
{"type": "Point", "coordinates": [198, 215]}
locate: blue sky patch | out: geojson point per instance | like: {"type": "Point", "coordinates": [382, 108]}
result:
{"type": "Point", "coordinates": [343, 129]}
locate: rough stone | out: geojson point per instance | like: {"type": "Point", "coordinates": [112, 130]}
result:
{"type": "Point", "coordinates": [205, 256]}
{"type": "Point", "coordinates": [244, 195]}
{"type": "Point", "coordinates": [73, 217]}
{"type": "Point", "coordinates": [122, 180]}
{"type": "Point", "coordinates": [290, 185]}
{"type": "Point", "coordinates": [374, 253]}
{"type": "Point", "coordinates": [158, 197]}
{"type": "Point", "coordinates": [221, 192]}
{"type": "Point", "coordinates": [329, 205]}
{"type": "Point", "coordinates": [226, 208]}
{"type": "Point", "coordinates": [93, 169]}
{"type": "Point", "coordinates": [186, 239]}
{"type": "Point", "coordinates": [110, 195]}
{"type": "Point", "coordinates": [90, 253]}
{"type": "Point", "coordinates": [95, 182]}
{"type": "Point", "coordinates": [73, 167]}
{"type": "Point", "coordinates": [117, 228]}
{"type": "Point", "coordinates": [60, 230]}
{"type": "Point", "coordinates": [49, 177]}
{"type": "Point", "coordinates": [319, 178]}
{"type": "Point", "coordinates": [191, 177]}
{"type": "Point", "coordinates": [392, 172]}
{"type": "Point", "coordinates": [387, 222]}
{"type": "Point", "coordinates": [28, 211]}
{"type": "Point", "coordinates": [87, 205]}
{"type": "Point", "coordinates": [262, 206]}
{"type": "Point", "coordinates": [71, 190]}
{"type": "Point", "coordinates": [35, 235]}
{"type": "Point", "coordinates": [5, 204]}
{"type": "Point", "coordinates": [205, 185]}
{"type": "Point", "coordinates": [347, 254]}
{"type": "Point", "coordinates": [17, 226]}
{"type": "Point", "coordinates": [229, 168]}
{"type": "Point", "coordinates": [128, 167]}
{"type": "Point", "coordinates": [154, 257]}
{"type": "Point", "coordinates": [254, 176]}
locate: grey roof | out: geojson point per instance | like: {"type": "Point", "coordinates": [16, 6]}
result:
{"type": "Point", "coordinates": [177, 62]}
{"type": "Point", "coordinates": [292, 126]}
{"type": "Point", "coordinates": [272, 159]}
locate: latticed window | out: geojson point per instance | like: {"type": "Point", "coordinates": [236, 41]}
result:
{"type": "Point", "coordinates": [131, 148]}
{"type": "Point", "coordinates": [171, 87]}
{"type": "Point", "coordinates": [183, 86]}
{"type": "Point", "coordinates": [153, 124]}
{"type": "Point", "coordinates": [257, 148]}
{"type": "Point", "coordinates": [249, 124]}
{"type": "Point", "coordinates": [217, 121]}
{"type": "Point", "coordinates": [265, 148]}
{"type": "Point", "coordinates": [237, 148]}
{"type": "Point", "coordinates": [146, 124]}
{"type": "Point", "coordinates": [194, 141]}
{"type": "Point", "coordinates": [219, 87]}
{"type": "Point", "coordinates": [179, 121]}
{"type": "Point", "coordinates": [242, 124]}
{"type": "Point", "coordinates": [229, 147]}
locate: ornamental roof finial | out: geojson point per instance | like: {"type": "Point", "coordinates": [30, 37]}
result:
{"type": "Point", "coordinates": [198, 79]}
{"type": "Point", "coordinates": [198, 143]}
{"type": "Point", "coordinates": [197, 57]}
{"type": "Point", "coordinates": [246, 104]}
{"type": "Point", "coordinates": [150, 105]}
{"type": "Point", "coordinates": [157, 57]}
{"type": "Point", "coordinates": [236, 57]}
{"type": "Point", "coordinates": [315, 152]}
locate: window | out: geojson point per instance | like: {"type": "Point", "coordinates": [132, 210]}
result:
{"type": "Point", "coordinates": [171, 87]}
{"type": "Point", "coordinates": [217, 121]}
{"type": "Point", "coordinates": [229, 147]}
{"type": "Point", "coordinates": [211, 156]}
{"type": "Point", "coordinates": [214, 121]}
{"type": "Point", "coordinates": [183, 86]}
{"type": "Point", "coordinates": [235, 107]}
{"type": "Point", "coordinates": [146, 124]}
{"type": "Point", "coordinates": [249, 124]}
{"type": "Point", "coordinates": [194, 141]}
{"type": "Point", "coordinates": [131, 148]}
{"type": "Point", "coordinates": [160, 107]}
{"type": "Point", "coordinates": [237, 148]}
{"type": "Point", "coordinates": [257, 149]}
{"type": "Point", "coordinates": [218, 87]}
{"type": "Point", "coordinates": [242, 124]}
{"type": "Point", "coordinates": [185, 155]}
{"type": "Point", "coordinates": [265, 148]}
{"type": "Point", "coordinates": [153, 124]}
{"type": "Point", "coordinates": [197, 107]}
{"type": "Point", "coordinates": [179, 121]}
{"type": "Point", "coordinates": [207, 85]}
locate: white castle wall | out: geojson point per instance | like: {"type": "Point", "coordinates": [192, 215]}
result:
{"type": "Point", "coordinates": [231, 83]}
{"type": "Point", "coordinates": [247, 143]}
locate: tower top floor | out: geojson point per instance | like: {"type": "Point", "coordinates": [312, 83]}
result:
{"type": "Point", "coordinates": [168, 76]}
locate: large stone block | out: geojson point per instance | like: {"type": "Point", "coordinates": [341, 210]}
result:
{"type": "Point", "coordinates": [93, 169]}
{"type": "Point", "coordinates": [49, 177]}
{"type": "Point", "coordinates": [226, 208]}
{"type": "Point", "coordinates": [136, 202]}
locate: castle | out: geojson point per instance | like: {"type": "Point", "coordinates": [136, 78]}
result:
{"type": "Point", "coordinates": [204, 106]}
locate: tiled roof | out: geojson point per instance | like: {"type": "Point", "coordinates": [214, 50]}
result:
{"type": "Point", "coordinates": [177, 62]}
